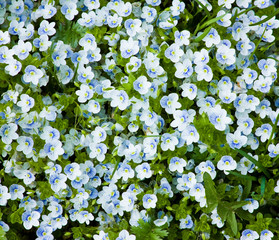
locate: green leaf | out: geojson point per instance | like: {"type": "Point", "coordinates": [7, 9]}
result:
{"type": "Point", "coordinates": [2, 233]}
{"type": "Point", "coordinates": [223, 210]}
{"type": "Point", "coordinates": [247, 189]}
{"type": "Point", "coordinates": [45, 189]}
{"type": "Point", "coordinates": [77, 232]}
{"type": "Point", "coordinates": [160, 232]}
{"type": "Point", "coordinates": [263, 180]}
{"type": "Point", "coordinates": [16, 216]}
{"type": "Point", "coordinates": [210, 192]}
{"type": "Point", "coordinates": [148, 231]}
{"type": "Point", "coordinates": [232, 222]}
{"type": "Point", "coordinates": [243, 176]}
{"type": "Point", "coordinates": [253, 160]}
{"type": "Point", "coordinates": [245, 215]}
{"type": "Point", "coordinates": [201, 37]}
{"type": "Point", "coordinates": [209, 22]}
{"type": "Point", "coordinates": [204, 8]}
{"type": "Point", "coordinates": [257, 44]}
{"type": "Point", "coordinates": [236, 205]}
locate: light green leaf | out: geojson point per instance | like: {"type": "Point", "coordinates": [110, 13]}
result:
{"type": "Point", "coordinates": [16, 216]}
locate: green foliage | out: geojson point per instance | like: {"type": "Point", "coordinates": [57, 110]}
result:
{"type": "Point", "coordinates": [148, 231]}
{"type": "Point", "coordinates": [45, 189]}
{"type": "Point", "coordinates": [202, 225]}
{"type": "Point", "coordinates": [16, 216]}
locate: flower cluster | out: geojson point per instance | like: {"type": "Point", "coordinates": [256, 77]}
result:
{"type": "Point", "coordinates": [121, 116]}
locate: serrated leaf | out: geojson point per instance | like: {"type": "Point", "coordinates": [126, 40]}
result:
{"type": "Point", "coordinates": [161, 232]}
{"type": "Point", "coordinates": [16, 216]}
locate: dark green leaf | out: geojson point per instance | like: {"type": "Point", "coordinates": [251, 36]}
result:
{"type": "Point", "coordinates": [243, 176]}
{"type": "Point", "coordinates": [245, 215]}
{"type": "Point", "coordinates": [223, 210]}
{"type": "Point", "coordinates": [247, 189]}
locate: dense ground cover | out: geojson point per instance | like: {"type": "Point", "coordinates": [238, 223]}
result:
{"type": "Point", "coordinates": [139, 120]}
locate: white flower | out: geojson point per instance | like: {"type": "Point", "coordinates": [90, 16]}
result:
{"type": "Point", "coordinates": [218, 117]}
{"type": "Point", "coordinates": [142, 85]}
{"type": "Point", "coordinates": [204, 72]}
{"type": "Point", "coordinates": [85, 93]}
{"type": "Point", "coordinates": [173, 52]}
{"type": "Point", "coordinates": [184, 69]}
{"type": "Point", "coordinates": [226, 163]}
{"type": "Point", "coordinates": [25, 144]}
{"type": "Point", "coordinates": [183, 118]}
{"type": "Point", "coordinates": [4, 195]}
{"type": "Point", "coordinates": [177, 164]}
{"type": "Point", "coordinates": [236, 140]}
{"type": "Point", "coordinates": [22, 49]}
{"type": "Point", "coordinates": [264, 132]}
{"type": "Point", "coordinates": [225, 55]}
{"type": "Point", "coordinates": [227, 3]}
{"type": "Point", "coordinates": [101, 236]}
{"type": "Point", "coordinates": [224, 21]}
{"type": "Point", "coordinates": [189, 90]}
{"type": "Point", "coordinates": [248, 234]}
{"type": "Point", "coordinates": [201, 58]}
{"type": "Point", "coordinates": [212, 38]}
{"type": "Point", "coordinates": [32, 74]}
{"type": "Point", "coordinates": [132, 26]}
{"type": "Point", "coordinates": [124, 235]}
{"type": "Point", "coordinates": [197, 191]}
{"type": "Point", "coordinates": [170, 102]}
{"type": "Point", "coordinates": [53, 149]}
{"type": "Point", "coordinates": [190, 134]}
{"type": "Point", "coordinates": [8, 133]}
{"type": "Point", "coordinates": [129, 48]}
{"type": "Point", "coordinates": [186, 222]}
{"type": "Point", "coordinates": [149, 201]}
{"type": "Point", "coordinates": [26, 103]}
{"type": "Point", "coordinates": [251, 206]}
{"type": "Point", "coordinates": [276, 189]}
{"type": "Point", "coordinates": [120, 99]}
{"type": "Point", "coordinates": [143, 171]}
{"type": "Point", "coordinates": [30, 219]}
{"type": "Point", "coordinates": [186, 182]}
